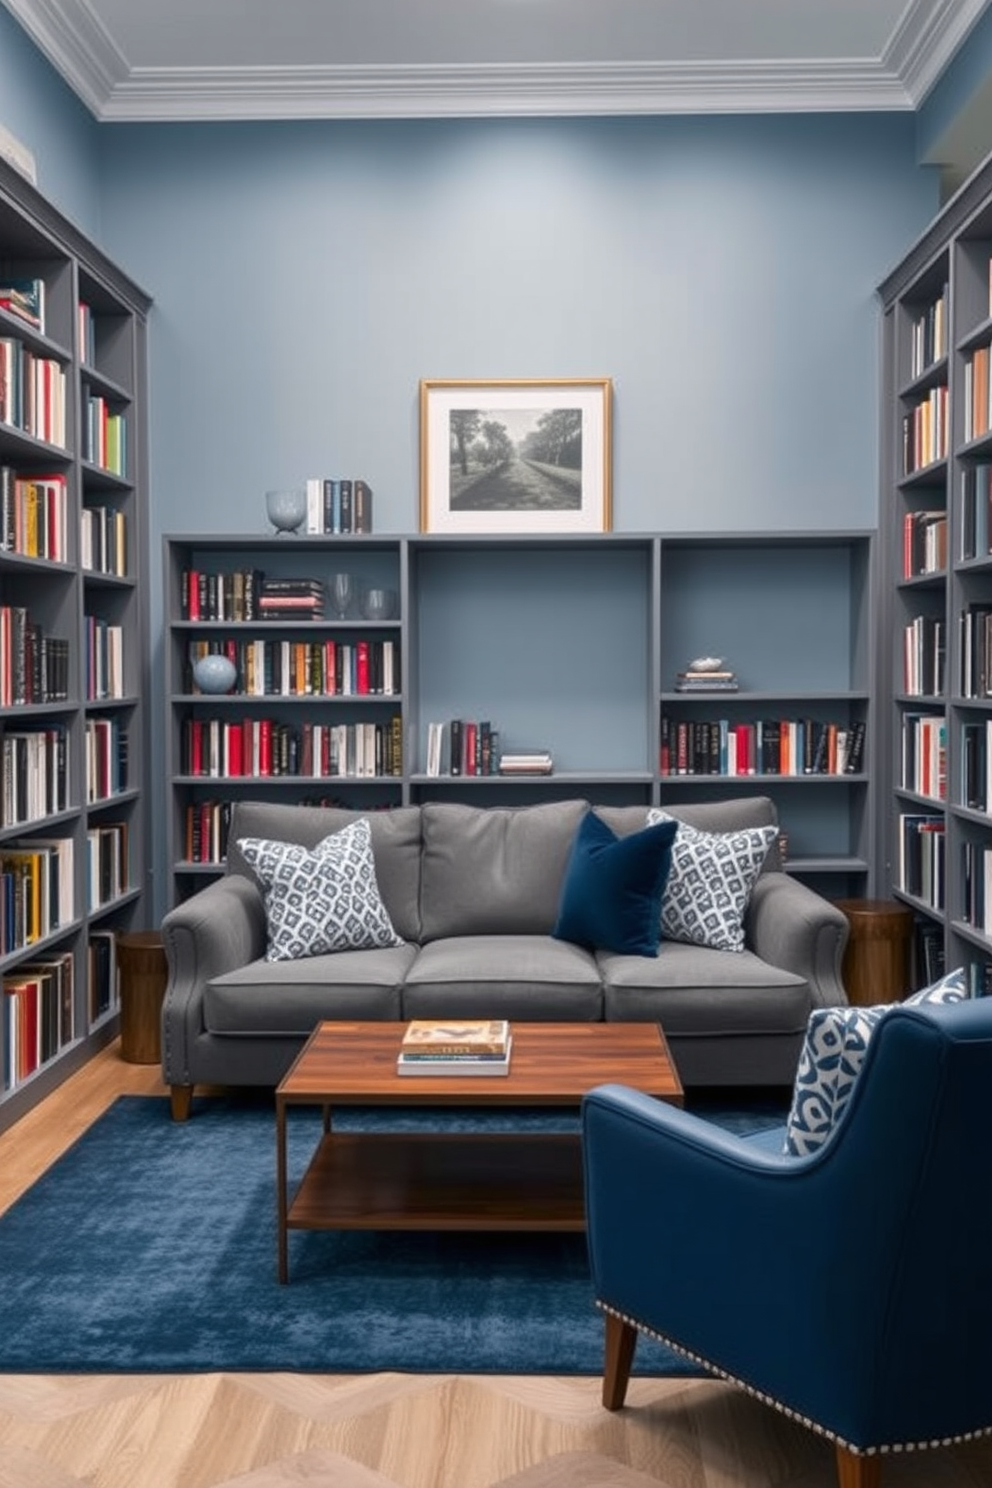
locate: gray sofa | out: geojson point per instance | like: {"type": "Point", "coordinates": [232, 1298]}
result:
{"type": "Point", "coordinates": [474, 893]}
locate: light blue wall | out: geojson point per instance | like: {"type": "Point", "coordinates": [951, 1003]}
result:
{"type": "Point", "coordinates": [38, 108]}
{"type": "Point", "coordinates": [721, 270]}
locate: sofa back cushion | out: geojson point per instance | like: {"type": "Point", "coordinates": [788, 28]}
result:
{"type": "Point", "coordinates": [395, 847]}
{"type": "Point", "coordinates": [732, 815]}
{"type": "Point", "coordinates": [494, 870]}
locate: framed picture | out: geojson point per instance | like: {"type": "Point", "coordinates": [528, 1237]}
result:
{"type": "Point", "coordinates": [517, 456]}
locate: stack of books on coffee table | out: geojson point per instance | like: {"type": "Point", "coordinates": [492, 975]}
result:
{"type": "Point", "coordinates": [474, 1046]}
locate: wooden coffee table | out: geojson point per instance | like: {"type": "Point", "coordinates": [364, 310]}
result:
{"type": "Point", "coordinates": [446, 1180]}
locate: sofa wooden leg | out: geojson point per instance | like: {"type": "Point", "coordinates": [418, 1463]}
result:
{"type": "Point", "coordinates": [857, 1472]}
{"type": "Point", "coordinates": [181, 1101]}
{"type": "Point", "coordinates": [621, 1338]}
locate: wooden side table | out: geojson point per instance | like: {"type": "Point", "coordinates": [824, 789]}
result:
{"type": "Point", "coordinates": [877, 959]}
{"type": "Point", "coordinates": [143, 972]}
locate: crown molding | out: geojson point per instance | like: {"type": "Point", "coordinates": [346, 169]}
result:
{"type": "Point", "coordinates": [928, 34]}
{"type": "Point", "coordinates": [71, 36]}
{"type": "Point", "coordinates": [78, 46]}
{"type": "Point", "coordinates": [485, 91]}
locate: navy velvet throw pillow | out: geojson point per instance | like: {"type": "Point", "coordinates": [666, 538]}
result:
{"type": "Point", "coordinates": [611, 894]}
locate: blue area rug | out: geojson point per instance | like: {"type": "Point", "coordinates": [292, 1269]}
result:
{"type": "Point", "coordinates": [151, 1246]}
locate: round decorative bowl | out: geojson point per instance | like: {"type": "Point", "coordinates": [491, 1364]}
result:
{"type": "Point", "coordinates": [214, 673]}
{"type": "Point", "coordinates": [286, 509]}
{"type": "Point", "coordinates": [706, 664]}
{"type": "Point", "coordinates": [379, 604]}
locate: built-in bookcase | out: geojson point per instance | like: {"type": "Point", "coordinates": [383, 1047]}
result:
{"type": "Point", "coordinates": [73, 640]}
{"type": "Point", "coordinates": [565, 644]}
{"type": "Point", "coordinates": [936, 538]}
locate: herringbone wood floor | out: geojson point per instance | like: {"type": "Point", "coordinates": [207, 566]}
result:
{"type": "Point", "coordinates": [385, 1431]}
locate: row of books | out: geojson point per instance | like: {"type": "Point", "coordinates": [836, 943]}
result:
{"type": "Point", "coordinates": [36, 890]}
{"type": "Point", "coordinates": [977, 394]}
{"type": "Point", "coordinates": [38, 1015]}
{"type": "Point", "coordinates": [35, 780]}
{"type": "Point", "coordinates": [207, 827]}
{"type": "Point", "coordinates": [106, 759]}
{"type": "Point", "coordinates": [975, 623]}
{"type": "Point", "coordinates": [976, 765]}
{"type": "Point", "coordinates": [32, 392]}
{"type": "Point", "coordinates": [924, 656]}
{"type": "Point", "coordinates": [106, 863]}
{"type": "Point", "coordinates": [456, 1048]}
{"type": "Point", "coordinates": [762, 746]}
{"type": "Point", "coordinates": [217, 748]}
{"type": "Point", "coordinates": [925, 431]}
{"type": "Point", "coordinates": [103, 540]}
{"type": "Point", "coordinates": [289, 668]}
{"type": "Point", "coordinates": [924, 754]}
{"type": "Point", "coordinates": [976, 886]}
{"type": "Point", "coordinates": [24, 296]}
{"type": "Point", "coordinates": [104, 676]}
{"type": "Point", "coordinates": [338, 505]}
{"type": "Point", "coordinates": [104, 436]}
{"type": "Point", "coordinates": [924, 543]}
{"type": "Point", "coordinates": [34, 514]}
{"type": "Point", "coordinates": [920, 866]}
{"type": "Point", "coordinates": [102, 981]}
{"type": "Point", "coordinates": [462, 746]}
{"type": "Point", "coordinates": [34, 666]}
{"type": "Point", "coordinates": [976, 510]}
{"type": "Point", "coordinates": [208, 594]}
{"type": "Point", "coordinates": [928, 336]}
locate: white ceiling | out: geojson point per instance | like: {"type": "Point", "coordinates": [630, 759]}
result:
{"type": "Point", "coordinates": [133, 60]}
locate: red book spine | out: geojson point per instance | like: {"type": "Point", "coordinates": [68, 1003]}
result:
{"type": "Point", "coordinates": [196, 747]}
{"type": "Point", "coordinates": [362, 678]}
{"type": "Point", "coordinates": [470, 734]}
{"type": "Point", "coordinates": [265, 747]}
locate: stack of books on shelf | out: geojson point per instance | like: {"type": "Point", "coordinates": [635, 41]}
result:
{"type": "Point", "coordinates": [479, 1046]}
{"type": "Point", "coordinates": [291, 599]}
{"type": "Point", "coordinates": [526, 762]}
{"type": "Point", "coordinates": [24, 298]}
{"type": "Point", "coordinates": [698, 678]}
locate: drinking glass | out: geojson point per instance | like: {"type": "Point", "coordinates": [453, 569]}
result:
{"type": "Point", "coordinates": [342, 593]}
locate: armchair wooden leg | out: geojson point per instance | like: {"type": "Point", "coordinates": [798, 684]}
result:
{"type": "Point", "coordinates": [621, 1338]}
{"type": "Point", "coordinates": [181, 1100]}
{"type": "Point", "coordinates": [857, 1472]}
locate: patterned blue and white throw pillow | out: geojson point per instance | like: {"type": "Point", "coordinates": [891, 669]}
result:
{"type": "Point", "coordinates": [836, 1043]}
{"type": "Point", "coordinates": [320, 901]}
{"type": "Point", "coordinates": [710, 882]}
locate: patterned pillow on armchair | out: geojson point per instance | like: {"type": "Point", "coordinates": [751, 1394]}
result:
{"type": "Point", "coordinates": [836, 1043]}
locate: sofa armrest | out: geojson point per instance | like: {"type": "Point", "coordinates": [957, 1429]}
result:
{"type": "Point", "coordinates": [216, 930]}
{"type": "Point", "coordinates": [790, 926]}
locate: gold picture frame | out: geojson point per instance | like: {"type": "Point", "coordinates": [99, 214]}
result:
{"type": "Point", "coordinates": [516, 455]}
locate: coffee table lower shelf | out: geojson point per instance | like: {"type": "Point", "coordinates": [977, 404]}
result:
{"type": "Point", "coordinates": [437, 1181]}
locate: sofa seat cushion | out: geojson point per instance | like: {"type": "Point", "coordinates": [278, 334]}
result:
{"type": "Point", "coordinates": [504, 976]}
{"type": "Point", "coordinates": [692, 990]}
{"type": "Point", "coordinates": [291, 997]}
{"type": "Point", "coordinates": [494, 870]}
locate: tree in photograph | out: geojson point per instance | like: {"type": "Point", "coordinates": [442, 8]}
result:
{"type": "Point", "coordinates": [463, 427]}
{"type": "Point", "coordinates": [557, 440]}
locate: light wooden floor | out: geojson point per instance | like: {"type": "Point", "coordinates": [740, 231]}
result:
{"type": "Point", "coordinates": [385, 1431]}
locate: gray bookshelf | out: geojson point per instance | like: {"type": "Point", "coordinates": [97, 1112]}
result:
{"type": "Point", "coordinates": [569, 644]}
{"type": "Point", "coordinates": [70, 592]}
{"type": "Point", "coordinates": [939, 830]}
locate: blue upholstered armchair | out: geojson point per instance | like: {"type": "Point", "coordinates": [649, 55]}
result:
{"type": "Point", "coordinates": [851, 1288]}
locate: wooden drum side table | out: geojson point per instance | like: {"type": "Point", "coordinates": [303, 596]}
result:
{"type": "Point", "coordinates": [143, 972]}
{"type": "Point", "coordinates": [877, 958]}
